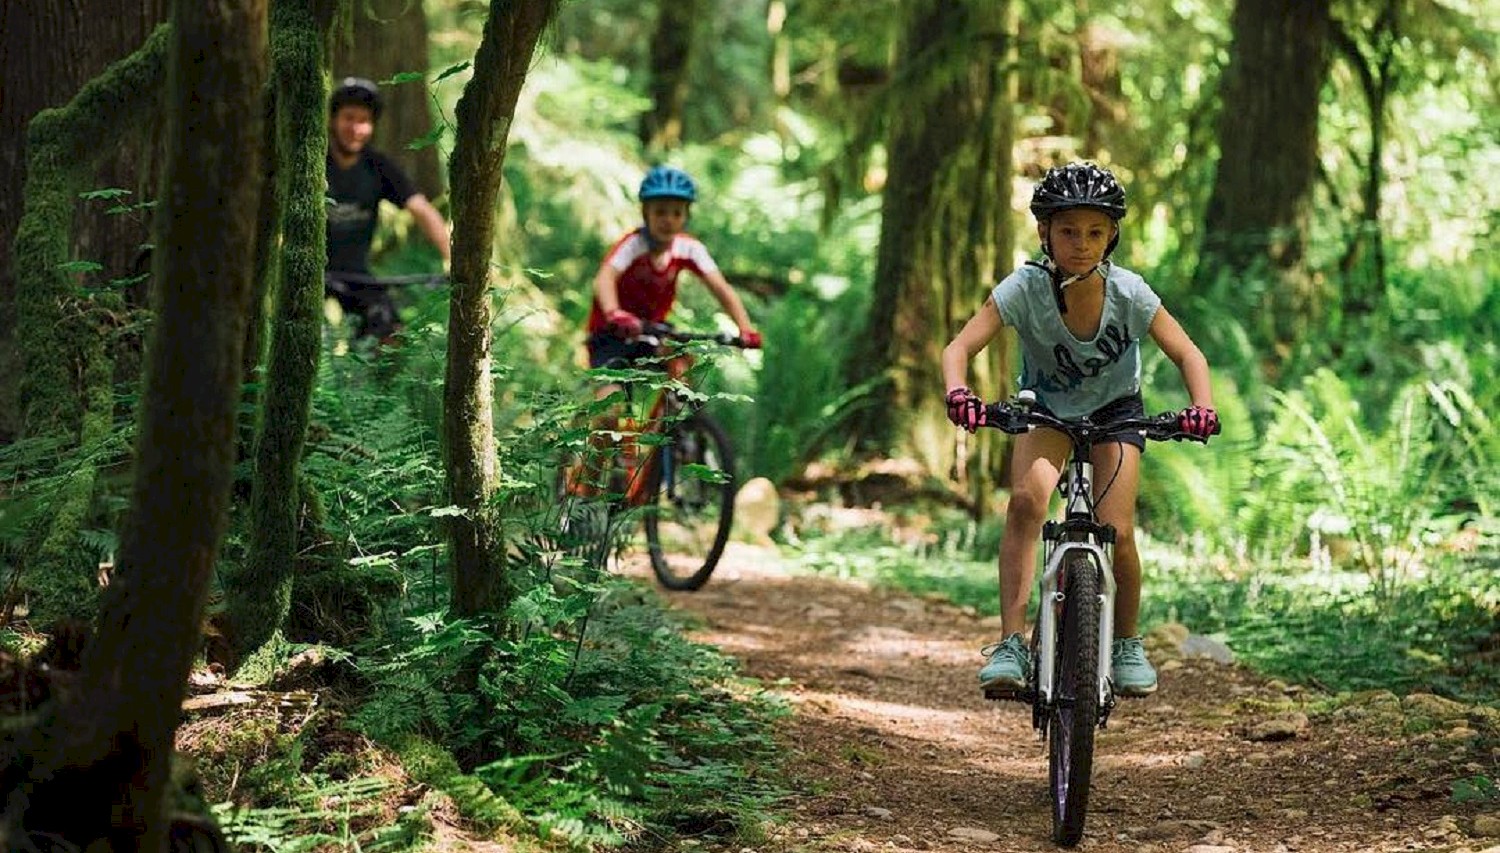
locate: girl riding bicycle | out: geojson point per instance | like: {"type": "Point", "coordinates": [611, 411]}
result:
{"type": "Point", "coordinates": [1079, 318]}
{"type": "Point", "coordinates": [636, 286]}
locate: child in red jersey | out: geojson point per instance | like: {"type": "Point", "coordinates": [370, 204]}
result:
{"type": "Point", "coordinates": [637, 282]}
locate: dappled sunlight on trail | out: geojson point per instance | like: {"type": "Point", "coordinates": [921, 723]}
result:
{"type": "Point", "coordinates": [892, 747]}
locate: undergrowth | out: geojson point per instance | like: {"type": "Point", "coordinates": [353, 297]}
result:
{"type": "Point", "coordinates": [580, 718]}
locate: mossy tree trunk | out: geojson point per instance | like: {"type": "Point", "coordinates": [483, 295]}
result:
{"type": "Point", "coordinates": [95, 771]}
{"type": "Point", "coordinates": [672, 45]}
{"type": "Point", "coordinates": [48, 51]}
{"type": "Point", "coordinates": [389, 37]}
{"type": "Point", "coordinates": [484, 115]}
{"type": "Point", "coordinates": [67, 374]}
{"type": "Point", "coordinates": [258, 594]}
{"type": "Point", "coordinates": [267, 269]}
{"type": "Point", "coordinates": [939, 236]}
{"type": "Point", "coordinates": [1255, 227]}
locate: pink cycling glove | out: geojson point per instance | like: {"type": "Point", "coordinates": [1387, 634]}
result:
{"type": "Point", "coordinates": [625, 324]}
{"type": "Point", "coordinates": [1200, 421]}
{"type": "Point", "coordinates": [965, 409]}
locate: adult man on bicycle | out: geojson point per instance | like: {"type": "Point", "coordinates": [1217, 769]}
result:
{"type": "Point", "coordinates": [359, 177]}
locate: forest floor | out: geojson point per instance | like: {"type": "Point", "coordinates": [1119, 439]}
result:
{"type": "Point", "coordinates": [890, 747]}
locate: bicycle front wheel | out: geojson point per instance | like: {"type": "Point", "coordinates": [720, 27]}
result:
{"type": "Point", "coordinates": [692, 506]}
{"type": "Point", "coordinates": [1075, 707]}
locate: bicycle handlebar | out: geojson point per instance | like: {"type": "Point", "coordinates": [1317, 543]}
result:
{"type": "Point", "coordinates": [1014, 417]}
{"type": "Point", "coordinates": [340, 277]}
{"type": "Point", "coordinates": [655, 333]}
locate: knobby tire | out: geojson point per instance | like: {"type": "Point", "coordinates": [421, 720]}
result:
{"type": "Point", "coordinates": [684, 500]}
{"type": "Point", "coordinates": [1075, 713]}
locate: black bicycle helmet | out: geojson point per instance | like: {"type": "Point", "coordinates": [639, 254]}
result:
{"type": "Point", "coordinates": [355, 91]}
{"type": "Point", "coordinates": [1078, 185]}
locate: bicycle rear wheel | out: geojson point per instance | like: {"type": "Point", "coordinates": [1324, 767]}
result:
{"type": "Point", "coordinates": [692, 506]}
{"type": "Point", "coordinates": [1075, 709]}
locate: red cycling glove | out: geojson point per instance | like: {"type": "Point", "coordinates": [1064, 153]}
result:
{"type": "Point", "coordinates": [965, 409]}
{"type": "Point", "coordinates": [625, 324]}
{"type": "Point", "coordinates": [1199, 421]}
{"type": "Point", "coordinates": [750, 338]}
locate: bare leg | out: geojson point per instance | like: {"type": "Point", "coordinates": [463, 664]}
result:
{"type": "Point", "coordinates": [1036, 461]}
{"type": "Point", "coordinates": [1117, 468]}
{"type": "Point", "coordinates": [586, 474]}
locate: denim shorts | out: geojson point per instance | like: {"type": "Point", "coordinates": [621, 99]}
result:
{"type": "Point", "coordinates": [608, 350]}
{"type": "Point", "coordinates": [1129, 406]}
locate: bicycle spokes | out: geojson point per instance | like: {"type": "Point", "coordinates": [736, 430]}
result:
{"type": "Point", "coordinates": [692, 505]}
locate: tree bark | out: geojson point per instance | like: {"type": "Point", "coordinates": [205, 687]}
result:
{"type": "Point", "coordinates": [66, 386]}
{"type": "Point", "coordinates": [671, 56]}
{"type": "Point", "coordinates": [1377, 70]}
{"type": "Point", "coordinates": [484, 115]}
{"type": "Point", "coordinates": [48, 51]}
{"type": "Point", "coordinates": [938, 251]}
{"type": "Point", "coordinates": [99, 767]}
{"type": "Point", "coordinates": [258, 594]}
{"type": "Point", "coordinates": [1256, 221]}
{"type": "Point", "coordinates": [390, 37]}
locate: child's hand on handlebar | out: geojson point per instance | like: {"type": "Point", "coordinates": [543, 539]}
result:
{"type": "Point", "coordinates": [1199, 421]}
{"type": "Point", "coordinates": [965, 409]}
{"type": "Point", "coordinates": [625, 324]}
{"type": "Point", "coordinates": [750, 338]}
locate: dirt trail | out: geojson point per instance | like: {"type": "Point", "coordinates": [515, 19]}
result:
{"type": "Point", "coordinates": [893, 749]}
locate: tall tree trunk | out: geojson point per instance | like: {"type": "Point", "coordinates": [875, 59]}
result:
{"type": "Point", "coordinates": [389, 38]}
{"type": "Point", "coordinates": [48, 50]}
{"type": "Point", "coordinates": [67, 381]}
{"type": "Point", "coordinates": [938, 237]}
{"type": "Point", "coordinates": [267, 269]}
{"type": "Point", "coordinates": [1256, 222]}
{"type": "Point", "coordinates": [258, 594]}
{"type": "Point", "coordinates": [484, 115]}
{"type": "Point", "coordinates": [980, 458]}
{"type": "Point", "coordinates": [1373, 60]}
{"type": "Point", "coordinates": [99, 768]}
{"type": "Point", "coordinates": [671, 55]}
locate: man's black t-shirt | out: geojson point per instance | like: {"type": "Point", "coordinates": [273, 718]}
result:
{"type": "Point", "coordinates": [356, 193]}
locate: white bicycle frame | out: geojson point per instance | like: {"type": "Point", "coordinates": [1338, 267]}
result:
{"type": "Point", "coordinates": [1078, 503]}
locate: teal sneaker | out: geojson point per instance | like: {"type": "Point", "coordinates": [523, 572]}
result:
{"type": "Point", "coordinates": [1004, 674]}
{"type": "Point", "coordinates": [1132, 674]}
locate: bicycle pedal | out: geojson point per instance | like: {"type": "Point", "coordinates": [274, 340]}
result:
{"type": "Point", "coordinates": [1003, 693]}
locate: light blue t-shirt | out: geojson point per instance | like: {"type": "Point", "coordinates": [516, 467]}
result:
{"type": "Point", "coordinates": [1074, 377]}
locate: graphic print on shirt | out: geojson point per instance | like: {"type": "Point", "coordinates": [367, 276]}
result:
{"type": "Point", "coordinates": [1112, 344]}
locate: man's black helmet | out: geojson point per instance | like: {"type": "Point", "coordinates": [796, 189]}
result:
{"type": "Point", "coordinates": [1078, 185]}
{"type": "Point", "coordinates": [356, 91]}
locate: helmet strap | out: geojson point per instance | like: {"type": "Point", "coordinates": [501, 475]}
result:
{"type": "Point", "coordinates": [1060, 280]}
{"type": "Point", "coordinates": [652, 243]}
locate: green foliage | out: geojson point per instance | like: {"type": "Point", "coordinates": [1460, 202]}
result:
{"type": "Point", "coordinates": [628, 728]}
{"type": "Point", "coordinates": [1476, 789]}
{"type": "Point", "coordinates": [802, 402]}
{"type": "Point", "coordinates": [1433, 633]}
{"type": "Point", "coordinates": [1326, 473]}
{"type": "Point", "coordinates": [348, 815]}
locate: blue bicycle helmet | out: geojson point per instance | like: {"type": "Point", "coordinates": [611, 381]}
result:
{"type": "Point", "coordinates": [667, 182]}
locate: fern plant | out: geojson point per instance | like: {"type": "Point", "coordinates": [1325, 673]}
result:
{"type": "Point", "coordinates": [1328, 481]}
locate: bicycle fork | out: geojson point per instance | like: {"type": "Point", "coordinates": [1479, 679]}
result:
{"type": "Point", "coordinates": [1078, 532]}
